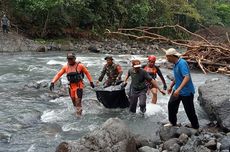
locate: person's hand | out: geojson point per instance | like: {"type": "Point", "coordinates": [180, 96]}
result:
{"type": "Point", "coordinates": [92, 85]}
{"type": "Point", "coordinates": [169, 90]}
{"type": "Point", "coordinates": [163, 92]}
{"type": "Point", "coordinates": [176, 93]}
{"type": "Point", "coordinates": [165, 87]}
{"type": "Point", "coordinates": [118, 81]}
{"type": "Point", "coordinates": [51, 86]}
{"type": "Point", "coordinates": [97, 83]}
{"type": "Point", "coordinates": [124, 85]}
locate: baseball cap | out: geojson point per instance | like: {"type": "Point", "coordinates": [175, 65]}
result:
{"type": "Point", "coordinates": [109, 58]}
{"type": "Point", "coordinates": [136, 63]}
{"type": "Point", "coordinates": [71, 55]}
{"type": "Point", "coordinates": [172, 51]}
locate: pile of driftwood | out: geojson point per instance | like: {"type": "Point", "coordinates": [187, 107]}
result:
{"type": "Point", "coordinates": [209, 57]}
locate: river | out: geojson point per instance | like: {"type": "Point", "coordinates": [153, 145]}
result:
{"type": "Point", "coordinates": [31, 123]}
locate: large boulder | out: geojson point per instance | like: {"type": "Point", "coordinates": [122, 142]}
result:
{"type": "Point", "coordinates": [112, 136]}
{"type": "Point", "coordinates": [214, 96]}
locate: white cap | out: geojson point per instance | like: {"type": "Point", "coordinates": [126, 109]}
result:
{"type": "Point", "coordinates": [172, 51]}
{"type": "Point", "coordinates": [137, 66]}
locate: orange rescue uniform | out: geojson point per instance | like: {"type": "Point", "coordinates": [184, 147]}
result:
{"type": "Point", "coordinates": [77, 67]}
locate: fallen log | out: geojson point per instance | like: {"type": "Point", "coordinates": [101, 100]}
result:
{"type": "Point", "coordinates": [209, 57]}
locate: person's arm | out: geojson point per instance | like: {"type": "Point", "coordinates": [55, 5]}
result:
{"type": "Point", "coordinates": [120, 72]}
{"type": "Point", "coordinates": [58, 75]}
{"type": "Point", "coordinates": [183, 83]}
{"type": "Point", "coordinates": [102, 74]}
{"type": "Point", "coordinates": [8, 22]}
{"type": "Point", "coordinates": [161, 77]}
{"type": "Point", "coordinates": [127, 77]}
{"type": "Point", "coordinates": [126, 80]}
{"type": "Point", "coordinates": [86, 72]}
{"type": "Point", "coordinates": [171, 87]}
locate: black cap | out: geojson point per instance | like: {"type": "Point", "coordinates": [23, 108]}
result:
{"type": "Point", "coordinates": [71, 55]}
{"type": "Point", "coordinates": [109, 58]}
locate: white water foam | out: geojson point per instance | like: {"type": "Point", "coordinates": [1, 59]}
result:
{"type": "Point", "coordinates": [152, 109]}
{"type": "Point", "coordinates": [73, 126]}
{"type": "Point", "coordinates": [53, 116]}
{"type": "Point", "coordinates": [32, 148]}
{"type": "Point", "coordinates": [54, 62]}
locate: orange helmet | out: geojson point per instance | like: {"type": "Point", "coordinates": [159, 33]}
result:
{"type": "Point", "coordinates": [152, 58]}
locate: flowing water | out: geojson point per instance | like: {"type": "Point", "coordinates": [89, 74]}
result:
{"type": "Point", "coordinates": [29, 122]}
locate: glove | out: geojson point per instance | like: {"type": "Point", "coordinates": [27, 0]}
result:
{"type": "Point", "coordinates": [165, 87]}
{"type": "Point", "coordinates": [124, 85]}
{"type": "Point", "coordinates": [92, 85]}
{"type": "Point", "coordinates": [118, 81]}
{"type": "Point", "coordinates": [51, 86]}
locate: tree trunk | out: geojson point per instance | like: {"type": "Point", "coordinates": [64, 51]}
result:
{"type": "Point", "coordinates": [43, 34]}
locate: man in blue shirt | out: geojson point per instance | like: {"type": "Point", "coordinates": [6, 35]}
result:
{"type": "Point", "coordinates": [182, 89]}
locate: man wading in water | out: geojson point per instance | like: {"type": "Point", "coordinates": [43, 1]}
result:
{"type": "Point", "coordinates": [138, 87]}
{"type": "Point", "coordinates": [113, 72]}
{"type": "Point", "coordinates": [75, 72]}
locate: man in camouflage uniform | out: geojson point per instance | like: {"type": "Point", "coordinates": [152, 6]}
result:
{"type": "Point", "coordinates": [113, 72]}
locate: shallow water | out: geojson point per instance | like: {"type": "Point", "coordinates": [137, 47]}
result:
{"type": "Point", "coordinates": [31, 123]}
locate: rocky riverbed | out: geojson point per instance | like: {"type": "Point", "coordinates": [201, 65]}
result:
{"type": "Point", "coordinates": [212, 136]}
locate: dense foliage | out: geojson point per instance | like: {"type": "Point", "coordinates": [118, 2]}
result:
{"type": "Point", "coordinates": [49, 18]}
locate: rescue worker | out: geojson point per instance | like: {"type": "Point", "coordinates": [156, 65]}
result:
{"type": "Point", "coordinates": [113, 72]}
{"type": "Point", "coordinates": [138, 87]}
{"type": "Point", "coordinates": [153, 71]}
{"type": "Point", "coordinates": [75, 72]}
{"type": "Point", "coordinates": [5, 23]}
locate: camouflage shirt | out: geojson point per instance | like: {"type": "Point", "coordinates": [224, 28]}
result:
{"type": "Point", "coordinates": [113, 73]}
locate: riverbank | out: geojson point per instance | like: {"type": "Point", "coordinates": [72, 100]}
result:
{"type": "Point", "coordinates": [13, 42]}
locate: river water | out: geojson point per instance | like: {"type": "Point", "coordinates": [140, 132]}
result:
{"type": "Point", "coordinates": [31, 123]}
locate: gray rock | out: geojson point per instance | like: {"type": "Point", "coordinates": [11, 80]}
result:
{"type": "Point", "coordinates": [225, 143]}
{"type": "Point", "coordinates": [214, 96]}
{"type": "Point", "coordinates": [191, 145]}
{"type": "Point", "coordinates": [112, 136]}
{"type": "Point", "coordinates": [41, 49]}
{"type": "Point", "coordinates": [168, 132]}
{"type": "Point", "coordinates": [218, 135]}
{"type": "Point", "coordinates": [183, 138]}
{"type": "Point", "coordinates": [172, 145]}
{"type": "Point", "coordinates": [184, 130]}
{"type": "Point", "coordinates": [142, 141]}
{"type": "Point", "coordinates": [211, 144]}
{"type": "Point", "coordinates": [5, 137]}
{"type": "Point", "coordinates": [202, 149]}
{"type": "Point", "coordinates": [93, 49]}
{"type": "Point", "coordinates": [228, 134]}
{"type": "Point", "coordinates": [63, 147]}
{"type": "Point", "coordinates": [147, 149]}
